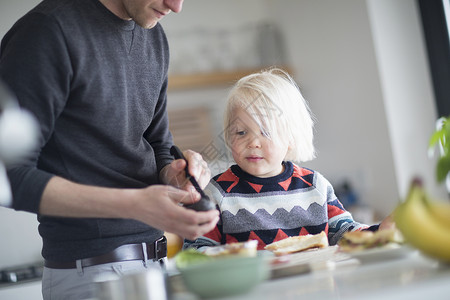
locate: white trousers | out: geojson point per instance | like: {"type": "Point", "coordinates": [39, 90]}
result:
{"type": "Point", "coordinates": [76, 284]}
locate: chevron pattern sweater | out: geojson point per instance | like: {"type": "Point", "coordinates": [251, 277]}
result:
{"type": "Point", "coordinates": [299, 201]}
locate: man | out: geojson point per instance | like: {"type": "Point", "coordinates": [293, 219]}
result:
{"type": "Point", "coordinates": [94, 73]}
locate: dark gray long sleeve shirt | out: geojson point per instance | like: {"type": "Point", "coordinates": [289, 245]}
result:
{"type": "Point", "coordinates": [97, 85]}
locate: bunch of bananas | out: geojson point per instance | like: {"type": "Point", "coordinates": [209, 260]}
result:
{"type": "Point", "coordinates": [425, 224]}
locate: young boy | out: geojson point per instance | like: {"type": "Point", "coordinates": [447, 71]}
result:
{"type": "Point", "coordinates": [265, 196]}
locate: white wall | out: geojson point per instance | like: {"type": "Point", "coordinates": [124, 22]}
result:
{"type": "Point", "coordinates": [407, 89]}
{"type": "Point", "coordinates": [360, 64]}
{"type": "Point", "coordinates": [10, 11]}
{"type": "Point", "coordinates": [20, 242]}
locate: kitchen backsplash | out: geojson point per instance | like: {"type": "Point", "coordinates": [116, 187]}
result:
{"type": "Point", "coordinates": [204, 49]}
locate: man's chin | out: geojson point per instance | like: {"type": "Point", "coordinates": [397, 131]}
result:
{"type": "Point", "coordinates": [150, 26]}
{"type": "Point", "coordinates": [146, 24]}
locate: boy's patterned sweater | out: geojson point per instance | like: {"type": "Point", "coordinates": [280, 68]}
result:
{"type": "Point", "coordinates": [299, 201]}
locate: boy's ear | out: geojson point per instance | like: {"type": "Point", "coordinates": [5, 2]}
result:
{"type": "Point", "coordinates": [289, 150]}
{"type": "Point", "coordinates": [290, 145]}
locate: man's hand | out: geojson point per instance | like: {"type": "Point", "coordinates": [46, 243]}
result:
{"type": "Point", "coordinates": [174, 173]}
{"type": "Point", "coordinates": [160, 206]}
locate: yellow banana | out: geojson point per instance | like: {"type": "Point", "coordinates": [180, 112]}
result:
{"type": "Point", "coordinates": [441, 212]}
{"type": "Point", "coordinates": [420, 227]}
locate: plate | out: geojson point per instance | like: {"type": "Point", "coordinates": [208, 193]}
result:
{"type": "Point", "coordinates": [382, 253]}
{"type": "Point", "coordinates": [306, 261]}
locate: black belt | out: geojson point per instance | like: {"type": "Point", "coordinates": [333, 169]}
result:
{"type": "Point", "coordinates": [145, 251]}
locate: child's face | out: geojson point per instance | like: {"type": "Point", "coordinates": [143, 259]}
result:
{"type": "Point", "coordinates": [252, 149]}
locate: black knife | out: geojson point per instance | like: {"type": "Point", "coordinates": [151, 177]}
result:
{"type": "Point", "coordinates": [204, 203]}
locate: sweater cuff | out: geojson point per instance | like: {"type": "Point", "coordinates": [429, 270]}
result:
{"type": "Point", "coordinates": [372, 228]}
{"type": "Point", "coordinates": [27, 185]}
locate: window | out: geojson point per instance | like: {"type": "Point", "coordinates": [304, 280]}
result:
{"type": "Point", "coordinates": [435, 16]}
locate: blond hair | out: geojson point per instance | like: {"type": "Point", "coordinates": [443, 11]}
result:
{"type": "Point", "coordinates": [274, 101]}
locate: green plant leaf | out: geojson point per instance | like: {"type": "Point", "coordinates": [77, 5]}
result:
{"type": "Point", "coordinates": [443, 168]}
{"type": "Point", "coordinates": [446, 128]}
{"type": "Point", "coordinates": [445, 140]}
{"type": "Point", "coordinates": [442, 136]}
{"type": "Point", "coordinates": [436, 137]}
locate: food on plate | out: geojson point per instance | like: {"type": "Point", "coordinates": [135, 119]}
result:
{"type": "Point", "coordinates": [424, 222]}
{"type": "Point", "coordinates": [359, 240]}
{"type": "Point", "coordinates": [298, 243]}
{"type": "Point", "coordinates": [248, 248]}
{"type": "Point", "coordinates": [355, 240]}
{"type": "Point", "coordinates": [193, 256]}
{"type": "Point", "coordinates": [190, 257]}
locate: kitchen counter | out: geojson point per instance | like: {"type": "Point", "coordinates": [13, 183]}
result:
{"type": "Point", "coordinates": [410, 276]}
{"type": "Point", "coordinates": [24, 290]}
{"type": "Point", "coordinates": [22, 281]}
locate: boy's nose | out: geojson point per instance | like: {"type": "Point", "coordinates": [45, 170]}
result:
{"type": "Point", "coordinates": [254, 143]}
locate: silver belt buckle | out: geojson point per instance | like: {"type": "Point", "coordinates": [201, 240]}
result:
{"type": "Point", "coordinates": [157, 257]}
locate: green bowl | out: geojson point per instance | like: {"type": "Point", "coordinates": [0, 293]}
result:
{"type": "Point", "coordinates": [225, 276]}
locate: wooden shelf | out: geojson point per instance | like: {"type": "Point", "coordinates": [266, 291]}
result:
{"type": "Point", "coordinates": [203, 80]}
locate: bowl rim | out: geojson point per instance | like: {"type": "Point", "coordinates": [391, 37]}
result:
{"type": "Point", "coordinates": [227, 261]}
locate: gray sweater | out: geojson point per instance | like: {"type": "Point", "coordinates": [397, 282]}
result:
{"type": "Point", "coordinates": [97, 85]}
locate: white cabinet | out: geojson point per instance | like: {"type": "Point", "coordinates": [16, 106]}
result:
{"type": "Point", "coordinates": [22, 291]}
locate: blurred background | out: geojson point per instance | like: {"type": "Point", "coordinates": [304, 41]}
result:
{"type": "Point", "coordinates": [363, 66]}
